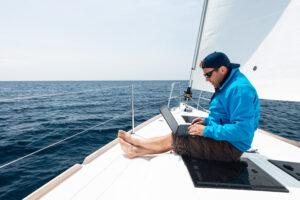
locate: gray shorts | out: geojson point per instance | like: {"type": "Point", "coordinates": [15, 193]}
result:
{"type": "Point", "coordinates": [205, 148]}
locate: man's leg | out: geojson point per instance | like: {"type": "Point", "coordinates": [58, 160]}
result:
{"type": "Point", "coordinates": [135, 147]}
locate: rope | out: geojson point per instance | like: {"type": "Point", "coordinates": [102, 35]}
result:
{"type": "Point", "coordinates": [199, 105]}
{"type": "Point", "coordinates": [61, 93]}
{"type": "Point", "coordinates": [67, 138]}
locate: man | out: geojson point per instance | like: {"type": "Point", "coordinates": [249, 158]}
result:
{"type": "Point", "coordinates": [226, 133]}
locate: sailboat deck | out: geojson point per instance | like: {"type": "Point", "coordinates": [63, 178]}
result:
{"type": "Point", "coordinates": [165, 176]}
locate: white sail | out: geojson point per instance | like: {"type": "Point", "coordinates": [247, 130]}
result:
{"type": "Point", "coordinates": [264, 34]}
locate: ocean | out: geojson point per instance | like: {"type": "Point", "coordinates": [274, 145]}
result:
{"type": "Point", "coordinates": [29, 124]}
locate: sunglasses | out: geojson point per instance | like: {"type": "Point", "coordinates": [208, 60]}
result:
{"type": "Point", "coordinates": [209, 74]}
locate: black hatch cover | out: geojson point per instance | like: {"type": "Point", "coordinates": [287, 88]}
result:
{"type": "Point", "coordinates": [243, 174]}
{"type": "Point", "coordinates": [292, 168]}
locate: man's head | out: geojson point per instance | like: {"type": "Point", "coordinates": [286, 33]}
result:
{"type": "Point", "coordinates": [215, 67]}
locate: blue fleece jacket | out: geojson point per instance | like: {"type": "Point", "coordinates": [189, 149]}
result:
{"type": "Point", "coordinates": [234, 112]}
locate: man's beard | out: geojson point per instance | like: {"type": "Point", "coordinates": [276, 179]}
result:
{"type": "Point", "coordinates": [220, 83]}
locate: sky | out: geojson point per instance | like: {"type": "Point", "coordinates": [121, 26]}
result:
{"type": "Point", "coordinates": [97, 40]}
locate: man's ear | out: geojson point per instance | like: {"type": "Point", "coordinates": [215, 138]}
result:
{"type": "Point", "coordinates": [223, 69]}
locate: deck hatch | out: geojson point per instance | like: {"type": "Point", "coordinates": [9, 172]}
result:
{"type": "Point", "coordinates": [243, 174]}
{"type": "Point", "coordinates": [292, 168]}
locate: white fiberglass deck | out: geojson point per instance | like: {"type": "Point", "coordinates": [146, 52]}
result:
{"type": "Point", "coordinates": [113, 176]}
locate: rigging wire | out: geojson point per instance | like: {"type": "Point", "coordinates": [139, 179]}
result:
{"type": "Point", "coordinates": [67, 138]}
{"type": "Point", "coordinates": [60, 93]}
{"type": "Point", "coordinates": [60, 141]}
{"type": "Point", "coordinates": [75, 92]}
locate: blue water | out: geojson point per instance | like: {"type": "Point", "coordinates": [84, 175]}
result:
{"type": "Point", "coordinates": [30, 124]}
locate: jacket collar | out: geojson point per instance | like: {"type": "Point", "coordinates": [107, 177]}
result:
{"type": "Point", "coordinates": [233, 71]}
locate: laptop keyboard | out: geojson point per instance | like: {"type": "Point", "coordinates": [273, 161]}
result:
{"type": "Point", "coordinates": [182, 130]}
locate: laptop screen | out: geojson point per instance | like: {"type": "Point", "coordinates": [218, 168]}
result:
{"type": "Point", "coordinates": [169, 118]}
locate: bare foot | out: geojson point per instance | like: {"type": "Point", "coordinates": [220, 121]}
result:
{"type": "Point", "coordinates": [128, 138]}
{"type": "Point", "coordinates": [130, 150]}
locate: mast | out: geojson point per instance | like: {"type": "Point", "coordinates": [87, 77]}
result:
{"type": "Point", "coordinates": [202, 20]}
{"type": "Point", "coordinates": [188, 92]}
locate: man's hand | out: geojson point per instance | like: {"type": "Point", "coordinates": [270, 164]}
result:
{"type": "Point", "coordinates": [196, 129]}
{"type": "Point", "coordinates": [198, 121]}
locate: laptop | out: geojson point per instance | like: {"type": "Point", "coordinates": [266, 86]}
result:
{"type": "Point", "coordinates": [179, 130]}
